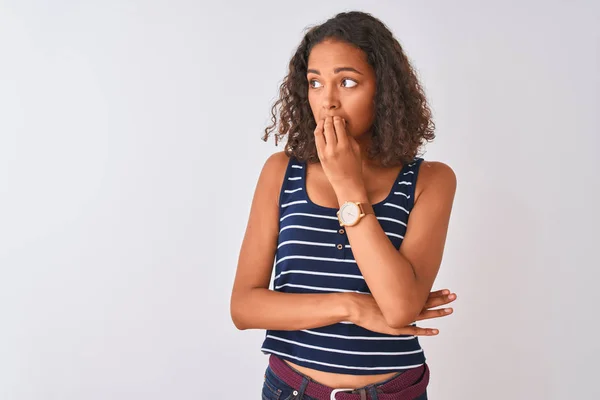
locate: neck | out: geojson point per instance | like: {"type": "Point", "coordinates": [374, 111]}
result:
{"type": "Point", "coordinates": [364, 141]}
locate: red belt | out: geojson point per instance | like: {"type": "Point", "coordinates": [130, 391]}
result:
{"type": "Point", "coordinates": [407, 386]}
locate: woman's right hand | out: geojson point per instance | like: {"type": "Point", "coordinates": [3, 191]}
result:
{"type": "Point", "coordinates": [369, 315]}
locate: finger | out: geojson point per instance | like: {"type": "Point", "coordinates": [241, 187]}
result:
{"type": "Point", "coordinates": [439, 301]}
{"type": "Point", "coordinates": [439, 293]}
{"type": "Point", "coordinates": [319, 138]}
{"type": "Point", "coordinates": [340, 131]}
{"type": "Point", "coordinates": [330, 132]}
{"type": "Point", "coordinates": [437, 313]}
{"type": "Point", "coordinates": [425, 332]}
{"type": "Point", "coordinates": [417, 331]}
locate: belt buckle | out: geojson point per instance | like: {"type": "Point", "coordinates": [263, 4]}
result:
{"type": "Point", "coordinates": [336, 391]}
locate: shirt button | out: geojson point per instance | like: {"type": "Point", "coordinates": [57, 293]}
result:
{"type": "Point", "coordinates": [342, 231]}
{"type": "Point", "coordinates": [339, 246]}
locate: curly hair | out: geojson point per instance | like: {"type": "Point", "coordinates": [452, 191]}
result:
{"type": "Point", "coordinates": [403, 121]}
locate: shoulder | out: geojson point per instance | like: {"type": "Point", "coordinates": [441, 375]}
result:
{"type": "Point", "coordinates": [277, 162]}
{"type": "Point", "coordinates": [436, 176]}
{"type": "Point", "coordinates": [275, 167]}
{"type": "Point", "coordinates": [437, 172]}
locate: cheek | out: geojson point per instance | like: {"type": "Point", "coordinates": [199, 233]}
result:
{"type": "Point", "coordinates": [361, 116]}
{"type": "Point", "coordinates": [312, 102]}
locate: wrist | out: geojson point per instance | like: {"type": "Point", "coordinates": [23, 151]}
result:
{"type": "Point", "coordinates": [349, 305]}
{"type": "Point", "coordinates": [351, 193]}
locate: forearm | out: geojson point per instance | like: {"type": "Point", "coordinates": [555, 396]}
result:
{"type": "Point", "coordinates": [267, 309]}
{"type": "Point", "coordinates": [389, 275]}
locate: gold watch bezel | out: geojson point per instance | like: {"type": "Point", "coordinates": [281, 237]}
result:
{"type": "Point", "coordinates": [360, 216]}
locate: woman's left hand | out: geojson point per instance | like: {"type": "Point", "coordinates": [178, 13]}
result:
{"type": "Point", "coordinates": [339, 153]}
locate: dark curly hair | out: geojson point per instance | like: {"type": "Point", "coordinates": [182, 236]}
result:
{"type": "Point", "coordinates": [403, 120]}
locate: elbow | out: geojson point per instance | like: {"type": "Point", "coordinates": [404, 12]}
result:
{"type": "Point", "coordinates": [244, 306]}
{"type": "Point", "coordinates": [401, 312]}
{"type": "Point", "coordinates": [239, 325]}
{"type": "Point", "coordinates": [238, 322]}
{"type": "Point", "coordinates": [398, 318]}
{"type": "Point", "coordinates": [397, 323]}
{"type": "Point", "coordinates": [237, 314]}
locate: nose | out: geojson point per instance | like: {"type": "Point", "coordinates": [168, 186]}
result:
{"type": "Point", "coordinates": [330, 100]}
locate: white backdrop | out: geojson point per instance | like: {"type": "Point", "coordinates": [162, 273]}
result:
{"type": "Point", "coordinates": [130, 148]}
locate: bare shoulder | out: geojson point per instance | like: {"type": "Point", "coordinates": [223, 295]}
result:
{"type": "Point", "coordinates": [437, 172]}
{"type": "Point", "coordinates": [436, 176]}
{"type": "Point", "coordinates": [277, 162]}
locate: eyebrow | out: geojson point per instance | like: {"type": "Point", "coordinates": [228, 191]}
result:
{"type": "Point", "coordinates": [336, 71]}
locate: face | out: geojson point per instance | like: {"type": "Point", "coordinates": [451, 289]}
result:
{"type": "Point", "coordinates": [341, 83]}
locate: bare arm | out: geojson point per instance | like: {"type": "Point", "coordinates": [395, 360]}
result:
{"type": "Point", "coordinates": [253, 305]}
{"type": "Point", "coordinates": [268, 309]}
{"type": "Point", "coordinates": [401, 280]}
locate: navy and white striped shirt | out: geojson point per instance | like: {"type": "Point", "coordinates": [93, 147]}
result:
{"type": "Point", "coordinates": [314, 256]}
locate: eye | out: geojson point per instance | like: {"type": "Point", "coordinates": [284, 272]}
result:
{"type": "Point", "coordinates": [312, 83]}
{"type": "Point", "coordinates": [352, 82]}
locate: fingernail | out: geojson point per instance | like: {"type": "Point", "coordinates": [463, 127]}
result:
{"type": "Point", "coordinates": [452, 296]}
{"type": "Point", "coordinates": [447, 310]}
{"type": "Point", "coordinates": [434, 331]}
{"type": "Point", "coordinates": [445, 291]}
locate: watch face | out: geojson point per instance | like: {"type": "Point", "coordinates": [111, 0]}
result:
{"type": "Point", "coordinates": [349, 213]}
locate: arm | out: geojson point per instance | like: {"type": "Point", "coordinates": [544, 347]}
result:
{"type": "Point", "coordinates": [253, 305]}
{"type": "Point", "coordinates": [400, 281]}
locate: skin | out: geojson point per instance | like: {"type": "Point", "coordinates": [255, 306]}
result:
{"type": "Point", "coordinates": [341, 92]}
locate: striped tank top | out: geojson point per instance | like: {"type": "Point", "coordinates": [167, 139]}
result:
{"type": "Point", "coordinates": [314, 256]}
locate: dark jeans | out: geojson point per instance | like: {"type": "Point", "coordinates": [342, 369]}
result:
{"type": "Point", "coordinates": [275, 389]}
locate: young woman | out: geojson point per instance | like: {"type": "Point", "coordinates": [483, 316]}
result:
{"type": "Point", "coordinates": [356, 239]}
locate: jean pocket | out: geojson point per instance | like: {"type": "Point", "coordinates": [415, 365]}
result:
{"type": "Point", "coordinates": [269, 391]}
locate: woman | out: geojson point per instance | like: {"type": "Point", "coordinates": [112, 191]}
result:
{"type": "Point", "coordinates": [352, 271]}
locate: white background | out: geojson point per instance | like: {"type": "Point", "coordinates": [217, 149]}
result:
{"type": "Point", "coordinates": [129, 152]}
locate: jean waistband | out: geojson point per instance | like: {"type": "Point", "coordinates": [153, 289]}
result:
{"type": "Point", "coordinates": [406, 386]}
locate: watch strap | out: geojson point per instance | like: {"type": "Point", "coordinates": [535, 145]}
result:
{"type": "Point", "coordinates": [365, 207]}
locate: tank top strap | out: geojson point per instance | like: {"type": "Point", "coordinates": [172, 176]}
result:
{"type": "Point", "coordinates": [293, 189]}
{"type": "Point", "coordinates": [408, 179]}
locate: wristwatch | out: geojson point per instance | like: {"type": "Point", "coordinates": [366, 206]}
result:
{"type": "Point", "coordinates": [351, 213]}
